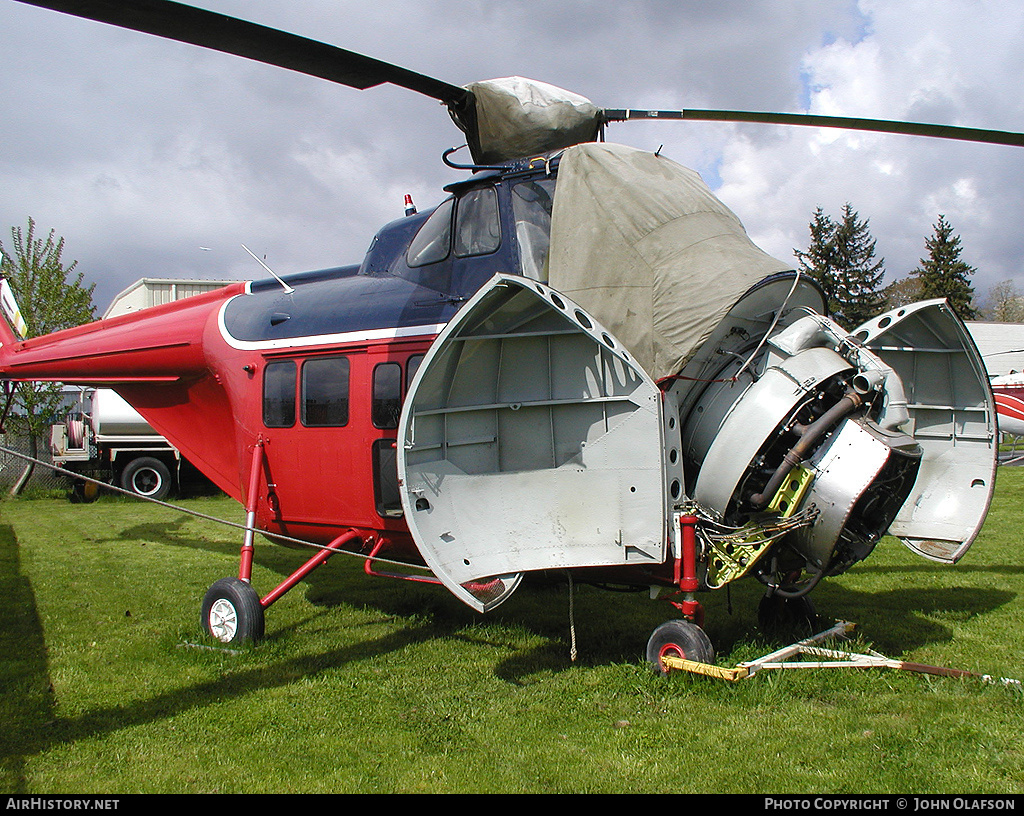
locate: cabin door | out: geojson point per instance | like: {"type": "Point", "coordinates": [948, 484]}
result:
{"type": "Point", "coordinates": [530, 441]}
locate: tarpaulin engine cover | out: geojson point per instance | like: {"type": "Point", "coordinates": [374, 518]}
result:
{"type": "Point", "coordinates": [642, 244]}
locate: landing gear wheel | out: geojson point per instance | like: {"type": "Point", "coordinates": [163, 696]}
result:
{"type": "Point", "coordinates": [679, 638]}
{"type": "Point", "coordinates": [777, 615]}
{"type": "Point", "coordinates": [147, 477]}
{"type": "Point", "coordinates": [232, 612]}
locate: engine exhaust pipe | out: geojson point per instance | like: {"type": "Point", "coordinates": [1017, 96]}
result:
{"type": "Point", "coordinates": [809, 436]}
{"type": "Point", "coordinates": [868, 381]}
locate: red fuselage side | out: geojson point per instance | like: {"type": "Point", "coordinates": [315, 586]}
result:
{"type": "Point", "coordinates": [176, 366]}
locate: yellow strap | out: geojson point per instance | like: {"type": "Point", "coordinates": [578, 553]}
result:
{"type": "Point", "coordinates": [708, 669]}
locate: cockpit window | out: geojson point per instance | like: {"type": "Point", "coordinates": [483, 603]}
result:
{"type": "Point", "coordinates": [531, 207]}
{"type": "Point", "coordinates": [434, 239]}
{"type": "Point", "coordinates": [477, 230]}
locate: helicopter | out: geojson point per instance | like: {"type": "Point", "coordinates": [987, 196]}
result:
{"type": "Point", "coordinates": [577, 364]}
{"type": "Point", "coordinates": [1008, 390]}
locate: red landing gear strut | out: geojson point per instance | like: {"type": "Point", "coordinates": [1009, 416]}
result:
{"type": "Point", "coordinates": [686, 572]}
{"type": "Point", "coordinates": [232, 611]}
{"type": "Point", "coordinates": [683, 639]}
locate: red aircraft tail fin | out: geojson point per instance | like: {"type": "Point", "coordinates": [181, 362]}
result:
{"type": "Point", "coordinates": [161, 344]}
{"type": "Point", "coordinates": [12, 324]}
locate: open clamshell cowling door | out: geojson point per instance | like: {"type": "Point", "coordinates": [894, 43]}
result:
{"type": "Point", "coordinates": [529, 441]}
{"type": "Point", "coordinates": [953, 418]}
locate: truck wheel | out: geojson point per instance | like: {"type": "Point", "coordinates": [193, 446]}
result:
{"type": "Point", "coordinates": [83, 492]}
{"type": "Point", "coordinates": [147, 477]}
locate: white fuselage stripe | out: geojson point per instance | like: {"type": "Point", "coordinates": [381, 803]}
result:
{"type": "Point", "coordinates": [364, 335]}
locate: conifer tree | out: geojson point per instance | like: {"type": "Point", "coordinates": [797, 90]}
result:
{"type": "Point", "coordinates": [816, 262]}
{"type": "Point", "coordinates": [944, 274]}
{"type": "Point", "coordinates": [841, 258]}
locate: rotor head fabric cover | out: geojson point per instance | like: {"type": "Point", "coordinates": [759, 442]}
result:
{"type": "Point", "coordinates": [517, 117]}
{"type": "Point", "coordinates": [644, 245]}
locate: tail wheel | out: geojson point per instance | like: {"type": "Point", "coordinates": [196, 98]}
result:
{"type": "Point", "coordinates": [779, 615]}
{"type": "Point", "coordinates": [232, 612]}
{"type": "Point", "coordinates": [680, 639]}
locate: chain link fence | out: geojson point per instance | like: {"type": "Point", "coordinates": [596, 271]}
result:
{"type": "Point", "coordinates": [11, 467]}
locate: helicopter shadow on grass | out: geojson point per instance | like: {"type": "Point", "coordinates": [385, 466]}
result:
{"type": "Point", "coordinates": [540, 611]}
{"type": "Point", "coordinates": [604, 627]}
{"type": "Point", "coordinates": [895, 621]}
{"type": "Point", "coordinates": [424, 612]}
{"type": "Point", "coordinates": [32, 719]}
{"type": "Point", "coordinates": [900, 620]}
{"type": "Point", "coordinates": [610, 627]}
{"type": "Point", "coordinates": [613, 626]}
{"type": "Point", "coordinates": [28, 701]}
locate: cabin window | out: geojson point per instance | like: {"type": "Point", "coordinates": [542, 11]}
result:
{"type": "Point", "coordinates": [433, 240]}
{"type": "Point", "coordinates": [412, 365]}
{"type": "Point", "coordinates": [325, 392]}
{"type": "Point", "coordinates": [531, 208]}
{"type": "Point", "coordinates": [387, 395]}
{"type": "Point", "coordinates": [279, 394]}
{"type": "Point", "coordinates": [477, 230]}
{"type": "Point", "coordinates": [385, 478]}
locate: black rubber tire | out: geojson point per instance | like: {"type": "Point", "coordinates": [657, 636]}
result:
{"type": "Point", "coordinates": [232, 613]}
{"type": "Point", "coordinates": [777, 615]}
{"type": "Point", "coordinates": [147, 476]}
{"type": "Point", "coordinates": [83, 492]}
{"type": "Point", "coordinates": [679, 638]}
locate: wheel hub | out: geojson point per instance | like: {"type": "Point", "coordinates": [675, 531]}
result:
{"type": "Point", "coordinates": [146, 482]}
{"type": "Point", "coordinates": [223, 620]}
{"type": "Point", "coordinates": [671, 650]}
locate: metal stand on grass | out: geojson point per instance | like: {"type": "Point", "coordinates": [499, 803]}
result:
{"type": "Point", "coordinates": [785, 658]}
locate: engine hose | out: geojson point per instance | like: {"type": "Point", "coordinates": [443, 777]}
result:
{"type": "Point", "coordinates": [797, 593]}
{"type": "Point", "coordinates": [809, 436]}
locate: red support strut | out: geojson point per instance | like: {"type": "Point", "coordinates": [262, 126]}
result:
{"type": "Point", "coordinates": [687, 579]}
{"type": "Point", "coordinates": [252, 498]}
{"type": "Point", "coordinates": [369, 569]}
{"type": "Point", "coordinates": [317, 560]}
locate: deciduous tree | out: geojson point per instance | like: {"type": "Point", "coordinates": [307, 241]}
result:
{"type": "Point", "coordinates": [51, 296]}
{"type": "Point", "coordinates": [1005, 303]}
{"type": "Point", "coordinates": [902, 292]}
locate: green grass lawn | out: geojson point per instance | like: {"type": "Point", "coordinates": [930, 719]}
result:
{"type": "Point", "coordinates": [372, 685]}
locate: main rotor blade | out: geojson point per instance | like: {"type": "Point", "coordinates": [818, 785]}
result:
{"type": "Point", "coordinates": [220, 32]}
{"type": "Point", "coordinates": [813, 120]}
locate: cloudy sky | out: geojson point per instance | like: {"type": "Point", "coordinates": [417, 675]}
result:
{"type": "Point", "coordinates": [153, 158]}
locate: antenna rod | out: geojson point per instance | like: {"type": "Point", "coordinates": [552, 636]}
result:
{"type": "Point", "coordinates": [284, 285]}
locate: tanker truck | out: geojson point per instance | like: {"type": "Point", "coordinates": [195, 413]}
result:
{"type": "Point", "coordinates": [103, 437]}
